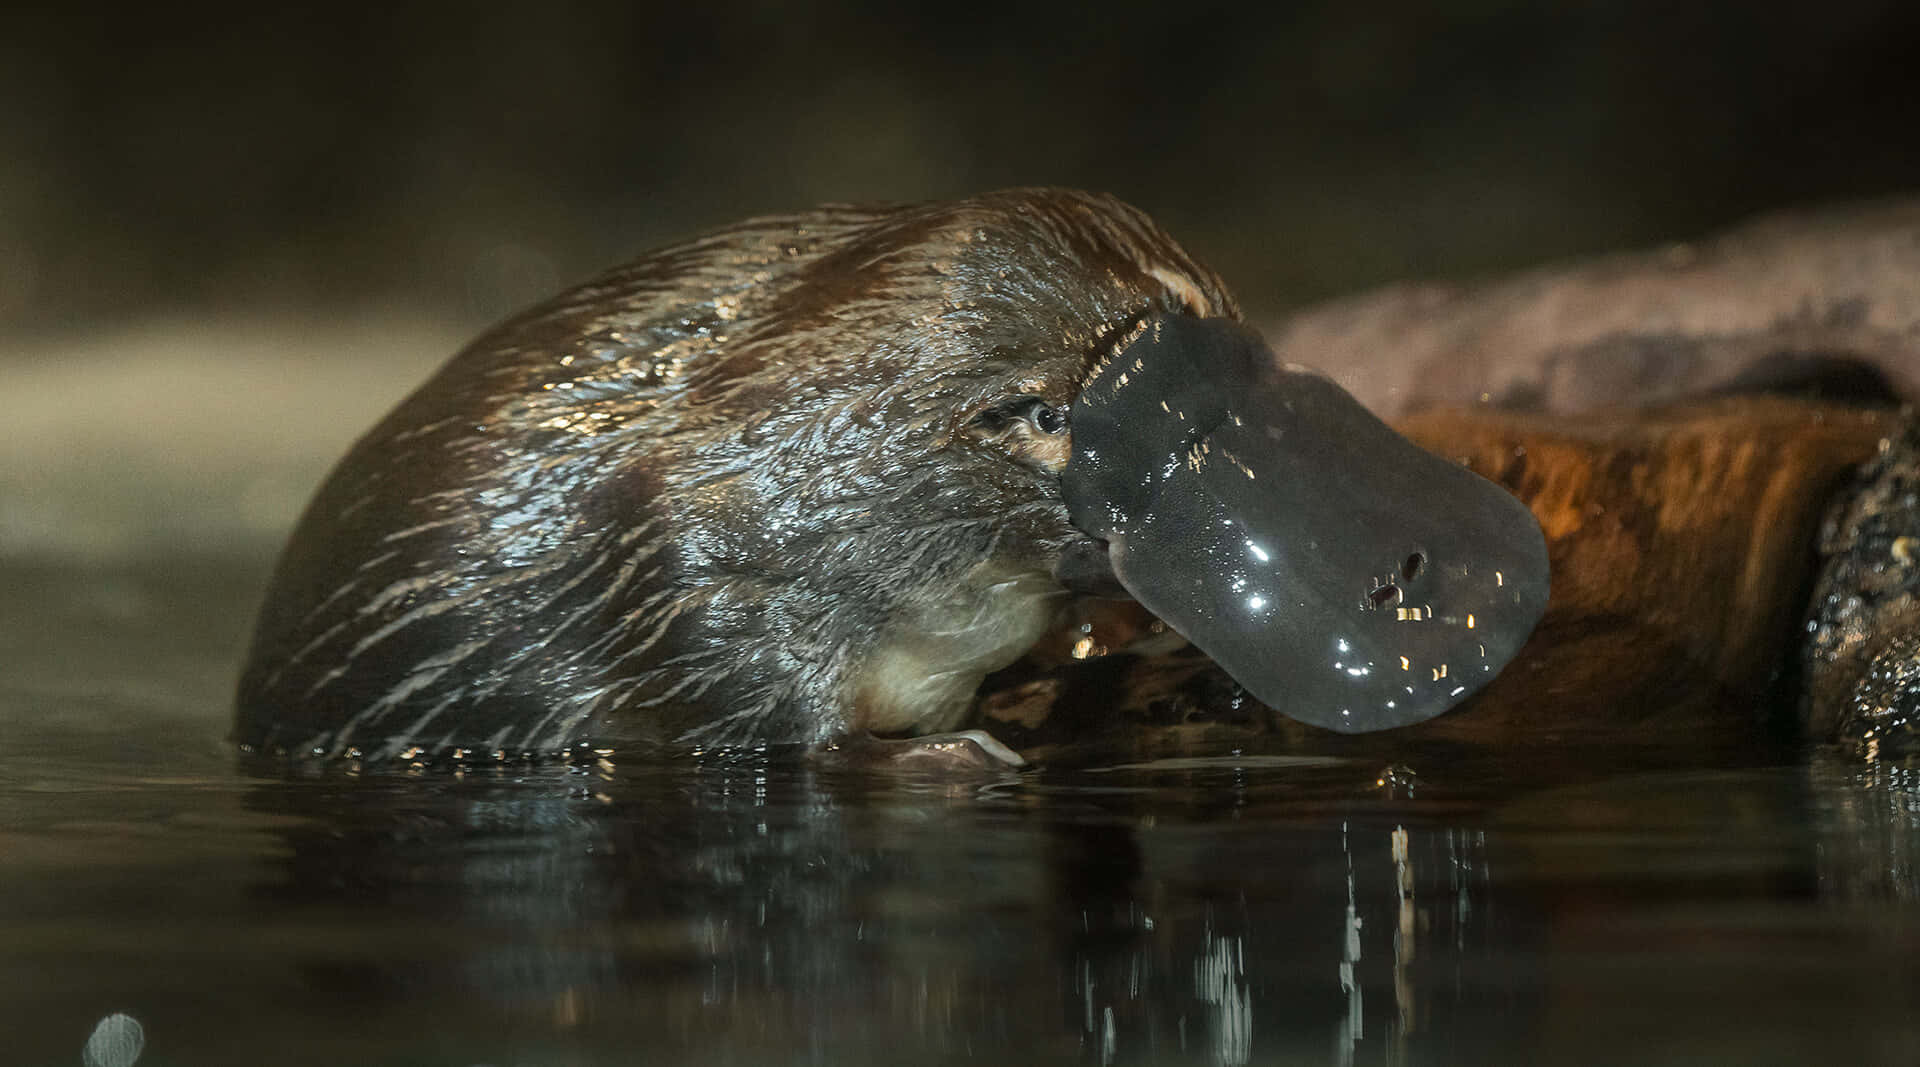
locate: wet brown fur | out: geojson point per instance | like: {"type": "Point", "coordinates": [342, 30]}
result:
{"type": "Point", "coordinates": [684, 502]}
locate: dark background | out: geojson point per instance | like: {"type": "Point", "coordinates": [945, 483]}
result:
{"type": "Point", "coordinates": [460, 160]}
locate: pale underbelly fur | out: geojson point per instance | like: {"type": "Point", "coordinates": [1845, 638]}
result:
{"type": "Point", "coordinates": [922, 679]}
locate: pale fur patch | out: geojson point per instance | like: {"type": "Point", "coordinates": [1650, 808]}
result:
{"type": "Point", "coordinates": [1183, 287]}
{"type": "Point", "coordinates": [923, 676]}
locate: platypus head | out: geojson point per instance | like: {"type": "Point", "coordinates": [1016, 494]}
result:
{"type": "Point", "coordinates": [905, 404]}
{"type": "Point", "coordinates": [822, 473]}
{"type": "Point", "coordinates": [1098, 415]}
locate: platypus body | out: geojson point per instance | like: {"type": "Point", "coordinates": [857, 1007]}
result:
{"type": "Point", "coordinates": [794, 481]}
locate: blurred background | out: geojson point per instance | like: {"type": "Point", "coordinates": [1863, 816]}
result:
{"type": "Point", "coordinates": [231, 236]}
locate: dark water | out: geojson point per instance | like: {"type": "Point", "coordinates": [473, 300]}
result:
{"type": "Point", "coordinates": [1562, 907]}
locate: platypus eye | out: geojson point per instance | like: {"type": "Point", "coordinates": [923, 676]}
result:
{"type": "Point", "coordinates": [1026, 428]}
{"type": "Point", "coordinates": [1046, 418]}
{"type": "Point", "coordinates": [1035, 411]}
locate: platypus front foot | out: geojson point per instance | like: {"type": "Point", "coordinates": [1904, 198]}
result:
{"type": "Point", "coordinates": [963, 750]}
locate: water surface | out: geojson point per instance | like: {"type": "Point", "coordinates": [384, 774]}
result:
{"type": "Point", "coordinates": [1397, 906]}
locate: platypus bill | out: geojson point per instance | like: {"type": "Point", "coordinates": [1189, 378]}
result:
{"type": "Point", "coordinates": [809, 479]}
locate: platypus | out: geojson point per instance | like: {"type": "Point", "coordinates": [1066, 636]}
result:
{"type": "Point", "coordinates": [810, 478]}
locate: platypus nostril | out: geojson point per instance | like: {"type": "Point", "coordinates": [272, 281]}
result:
{"type": "Point", "coordinates": [1386, 596]}
{"type": "Point", "coordinates": [1411, 568]}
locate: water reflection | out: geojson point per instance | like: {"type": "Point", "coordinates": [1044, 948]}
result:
{"type": "Point", "coordinates": [771, 912]}
{"type": "Point", "coordinates": [1439, 907]}
{"type": "Point", "coordinates": [738, 910]}
{"type": "Point", "coordinates": [1871, 853]}
{"type": "Point", "coordinates": [1366, 901]}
